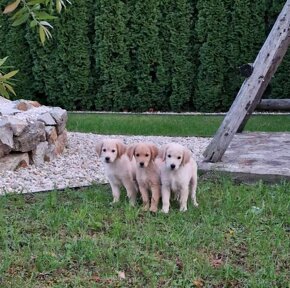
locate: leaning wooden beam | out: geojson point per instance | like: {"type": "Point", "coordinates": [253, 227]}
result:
{"type": "Point", "coordinates": [265, 65]}
{"type": "Point", "coordinates": [274, 105]}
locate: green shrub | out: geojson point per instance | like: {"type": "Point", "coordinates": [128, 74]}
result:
{"type": "Point", "coordinates": [143, 55]}
{"type": "Point", "coordinates": [14, 45]}
{"type": "Point", "coordinates": [112, 56]}
{"type": "Point", "coordinates": [62, 68]}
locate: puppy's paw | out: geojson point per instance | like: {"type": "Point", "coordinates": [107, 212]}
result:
{"type": "Point", "coordinates": [132, 202]}
{"type": "Point", "coordinates": [153, 209]}
{"type": "Point", "coordinates": [165, 210]}
{"type": "Point", "coordinates": [145, 207]}
{"type": "Point", "coordinates": [183, 209]}
{"type": "Point", "coordinates": [115, 200]}
{"type": "Point", "coordinates": [195, 204]}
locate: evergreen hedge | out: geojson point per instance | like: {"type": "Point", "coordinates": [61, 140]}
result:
{"type": "Point", "coordinates": [144, 55]}
{"type": "Point", "coordinates": [13, 45]}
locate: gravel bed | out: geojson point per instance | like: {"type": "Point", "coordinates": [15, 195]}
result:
{"type": "Point", "coordinates": [78, 166]}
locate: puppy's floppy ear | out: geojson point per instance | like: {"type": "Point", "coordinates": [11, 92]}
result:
{"type": "Point", "coordinates": [99, 147]}
{"type": "Point", "coordinates": [121, 148]}
{"type": "Point", "coordinates": [154, 151]}
{"type": "Point", "coordinates": [130, 151]}
{"type": "Point", "coordinates": [186, 156]}
{"type": "Point", "coordinates": [162, 152]}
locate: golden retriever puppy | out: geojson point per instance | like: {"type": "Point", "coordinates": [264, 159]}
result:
{"type": "Point", "coordinates": [178, 175]}
{"type": "Point", "coordinates": [119, 169]}
{"type": "Point", "coordinates": [147, 173]}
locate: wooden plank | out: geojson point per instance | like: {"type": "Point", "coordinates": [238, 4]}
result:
{"type": "Point", "coordinates": [274, 104]}
{"type": "Point", "coordinates": [265, 65]}
{"type": "Point", "coordinates": [254, 156]}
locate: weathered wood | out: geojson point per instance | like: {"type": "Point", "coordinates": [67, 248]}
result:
{"type": "Point", "coordinates": [253, 157]}
{"type": "Point", "coordinates": [265, 65]}
{"type": "Point", "coordinates": [274, 105]}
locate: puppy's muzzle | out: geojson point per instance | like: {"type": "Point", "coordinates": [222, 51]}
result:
{"type": "Point", "coordinates": [172, 166]}
{"type": "Point", "coordinates": [107, 159]}
{"type": "Point", "coordinates": [141, 164]}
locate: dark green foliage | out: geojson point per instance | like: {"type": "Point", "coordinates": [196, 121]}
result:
{"type": "Point", "coordinates": [211, 29]}
{"type": "Point", "coordinates": [144, 55]}
{"type": "Point", "coordinates": [280, 87]}
{"type": "Point", "coordinates": [14, 46]}
{"type": "Point", "coordinates": [147, 69]}
{"type": "Point", "coordinates": [112, 56]}
{"type": "Point", "coordinates": [175, 37]}
{"type": "Point", "coordinates": [243, 15]}
{"type": "Point", "coordinates": [42, 57]}
{"type": "Point", "coordinates": [280, 84]}
{"type": "Point", "coordinates": [62, 68]}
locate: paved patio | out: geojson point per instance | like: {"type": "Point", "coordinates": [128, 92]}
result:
{"type": "Point", "coordinates": [254, 156]}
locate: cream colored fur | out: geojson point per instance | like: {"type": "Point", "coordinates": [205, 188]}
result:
{"type": "Point", "coordinates": [119, 169]}
{"type": "Point", "coordinates": [147, 173]}
{"type": "Point", "coordinates": [178, 175]}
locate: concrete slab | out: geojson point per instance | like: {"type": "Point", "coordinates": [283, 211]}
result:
{"type": "Point", "coordinates": [254, 156]}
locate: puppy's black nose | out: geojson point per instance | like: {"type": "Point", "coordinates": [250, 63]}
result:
{"type": "Point", "coordinates": [141, 164]}
{"type": "Point", "coordinates": [172, 166]}
{"type": "Point", "coordinates": [107, 159]}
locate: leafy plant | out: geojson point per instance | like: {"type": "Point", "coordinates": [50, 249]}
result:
{"type": "Point", "coordinates": [38, 11]}
{"type": "Point", "coordinates": [5, 79]}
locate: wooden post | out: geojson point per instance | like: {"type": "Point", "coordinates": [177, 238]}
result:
{"type": "Point", "coordinates": [274, 105]}
{"type": "Point", "coordinates": [265, 65]}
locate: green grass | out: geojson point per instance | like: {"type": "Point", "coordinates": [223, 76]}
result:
{"type": "Point", "coordinates": [238, 237]}
{"type": "Point", "coordinates": [173, 125]}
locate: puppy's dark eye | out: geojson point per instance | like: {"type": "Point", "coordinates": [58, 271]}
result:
{"type": "Point", "coordinates": [179, 157]}
{"type": "Point", "coordinates": [169, 156]}
{"type": "Point", "coordinates": [113, 150]}
{"type": "Point", "coordinates": [137, 155]}
{"type": "Point", "coordinates": [146, 155]}
{"type": "Point", "coordinates": [104, 150]}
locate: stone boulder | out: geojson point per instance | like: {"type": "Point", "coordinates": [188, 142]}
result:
{"type": "Point", "coordinates": [17, 125]}
{"type": "Point", "coordinates": [14, 161]}
{"type": "Point", "coordinates": [60, 116]}
{"type": "Point", "coordinates": [36, 131]}
{"type": "Point", "coordinates": [30, 137]}
{"type": "Point", "coordinates": [38, 154]}
{"type": "Point", "coordinates": [6, 137]}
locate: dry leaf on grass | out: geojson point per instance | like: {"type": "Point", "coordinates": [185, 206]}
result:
{"type": "Point", "coordinates": [121, 275]}
{"type": "Point", "coordinates": [198, 283]}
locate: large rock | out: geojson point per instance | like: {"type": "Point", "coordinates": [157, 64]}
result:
{"type": "Point", "coordinates": [25, 105]}
{"type": "Point", "coordinates": [4, 101]}
{"type": "Point", "coordinates": [7, 107]}
{"type": "Point", "coordinates": [60, 116]}
{"type": "Point", "coordinates": [47, 119]}
{"type": "Point", "coordinates": [8, 110]}
{"type": "Point", "coordinates": [56, 147]}
{"type": "Point", "coordinates": [60, 143]}
{"type": "Point", "coordinates": [17, 125]}
{"type": "Point", "coordinates": [6, 137]}
{"type": "Point", "coordinates": [30, 137]}
{"type": "Point", "coordinates": [14, 161]}
{"type": "Point", "coordinates": [51, 134]}
{"type": "Point", "coordinates": [26, 126]}
{"type": "Point", "coordinates": [50, 153]}
{"type": "Point", "coordinates": [38, 155]}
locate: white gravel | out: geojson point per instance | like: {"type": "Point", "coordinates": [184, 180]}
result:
{"type": "Point", "coordinates": [79, 166]}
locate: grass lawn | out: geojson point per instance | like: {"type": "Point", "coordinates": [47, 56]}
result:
{"type": "Point", "coordinates": [238, 237]}
{"type": "Point", "coordinates": [173, 125]}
